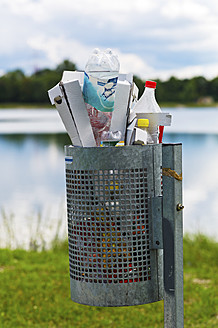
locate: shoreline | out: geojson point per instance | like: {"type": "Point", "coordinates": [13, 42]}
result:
{"type": "Point", "coordinates": [49, 106]}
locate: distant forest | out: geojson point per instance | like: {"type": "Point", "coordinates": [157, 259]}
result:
{"type": "Point", "coordinates": [16, 87]}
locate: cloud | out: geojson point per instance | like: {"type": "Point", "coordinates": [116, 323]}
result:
{"type": "Point", "coordinates": [27, 8]}
{"type": "Point", "coordinates": [56, 49]}
{"type": "Point", "coordinates": [209, 71]}
{"type": "Point", "coordinates": [46, 9]}
{"type": "Point", "coordinates": [192, 10]}
{"type": "Point", "coordinates": [162, 36]}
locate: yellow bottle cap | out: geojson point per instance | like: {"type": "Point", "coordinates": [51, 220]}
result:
{"type": "Point", "coordinates": [143, 123]}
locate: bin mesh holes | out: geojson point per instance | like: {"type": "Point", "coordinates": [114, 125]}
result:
{"type": "Point", "coordinates": [108, 225]}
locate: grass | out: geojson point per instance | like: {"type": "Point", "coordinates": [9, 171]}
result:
{"type": "Point", "coordinates": [41, 230]}
{"type": "Point", "coordinates": [35, 292]}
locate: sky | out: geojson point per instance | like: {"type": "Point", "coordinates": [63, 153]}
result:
{"type": "Point", "coordinates": [153, 39]}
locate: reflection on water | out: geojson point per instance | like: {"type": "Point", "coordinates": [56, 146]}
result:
{"type": "Point", "coordinates": [42, 139]}
{"type": "Point", "coordinates": [32, 186]}
{"type": "Point", "coordinates": [32, 193]}
{"type": "Point", "coordinates": [200, 159]}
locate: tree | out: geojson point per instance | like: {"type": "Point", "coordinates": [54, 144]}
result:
{"type": "Point", "coordinates": [213, 88]}
{"type": "Point", "coordinates": [45, 79]}
{"type": "Point", "coordinates": [66, 65]}
{"type": "Point", "coordinates": [11, 86]}
{"type": "Point", "coordinates": [16, 87]}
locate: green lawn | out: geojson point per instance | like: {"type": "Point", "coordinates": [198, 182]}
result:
{"type": "Point", "coordinates": [35, 292]}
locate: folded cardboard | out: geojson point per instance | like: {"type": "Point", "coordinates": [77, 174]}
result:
{"type": "Point", "coordinates": [65, 114]}
{"type": "Point", "coordinates": [73, 75]}
{"type": "Point", "coordinates": [156, 118]}
{"type": "Point", "coordinates": [68, 99]}
{"type": "Point", "coordinates": [119, 115]}
{"type": "Point", "coordinates": [130, 132]}
{"type": "Point", "coordinates": [132, 103]}
{"type": "Point", "coordinates": [140, 135]}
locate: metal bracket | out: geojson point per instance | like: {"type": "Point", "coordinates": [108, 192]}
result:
{"type": "Point", "coordinates": [156, 222]}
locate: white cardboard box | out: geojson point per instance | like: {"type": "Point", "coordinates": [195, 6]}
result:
{"type": "Point", "coordinates": [133, 101]}
{"type": "Point", "coordinates": [121, 104]}
{"type": "Point", "coordinates": [141, 135]}
{"type": "Point", "coordinates": [73, 75]}
{"type": "Point", "coordinates": [119, 115]}
{"type": "Point", "coordinates": [130, 132]}
{"type": "Point", "coordinates": [68, 99]}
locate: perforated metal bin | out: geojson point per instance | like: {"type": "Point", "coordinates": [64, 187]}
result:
{"type": "Point", "coordinates": [114, 208]}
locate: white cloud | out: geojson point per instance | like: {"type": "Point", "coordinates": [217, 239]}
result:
{"type": "Point", "coordinates": [28, 8]}
{"type": "Point", "coordinates": [57, 49]}
{"type": "Point", "coordinates": [162, 36]}
{"type": "Point", "coordinates": [132, 63]}
{"type": "Point", "coordinates": [185, 9]}
{"type": "Point", "coordinates": [46, 9]}
{"type": "Point", "coordinates": [208, 71]}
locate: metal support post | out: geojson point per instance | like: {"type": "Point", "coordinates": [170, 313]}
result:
{"type": "Point", "coordinates": [173, 236]}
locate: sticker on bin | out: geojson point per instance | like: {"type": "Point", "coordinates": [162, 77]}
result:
{"type": "Point", "coordinates": [69, 159]}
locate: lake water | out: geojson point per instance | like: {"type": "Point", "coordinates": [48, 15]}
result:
{"type": "Point", "coordinates": [32, 193]}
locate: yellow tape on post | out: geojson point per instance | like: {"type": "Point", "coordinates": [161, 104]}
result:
{"type": "Point", "coordinates": [171, 173]}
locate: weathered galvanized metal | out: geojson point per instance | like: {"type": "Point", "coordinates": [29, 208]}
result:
{"type": "Point", "coordinates": [173, 236]}
{"type": "Point", "coordinates": [114, 206]}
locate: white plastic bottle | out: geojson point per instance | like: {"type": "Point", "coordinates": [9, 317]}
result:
{"type": "Point", "coordinates": [143, 124]}
{"type": "Point", "coordinates": [100, 80]}
{"type": "Point", "coordinates": [148, 104]}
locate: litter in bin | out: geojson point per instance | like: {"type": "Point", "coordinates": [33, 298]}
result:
{"type": "Point", "coordinates": [100, 82]}
{"type": "Point", "coordinates": [115, 203]}
{"type": "Point", "coordinates": [102, 102]}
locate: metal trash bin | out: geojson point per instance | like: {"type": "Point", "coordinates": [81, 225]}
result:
{"type": "Point", "coordinates": [114, 208]}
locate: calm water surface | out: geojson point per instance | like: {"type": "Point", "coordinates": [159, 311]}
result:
{"type": "Point", "coordinates": [32, 193]}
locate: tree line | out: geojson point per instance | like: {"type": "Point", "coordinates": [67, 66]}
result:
{"type": "Point", "coordinates": [16, 87]}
